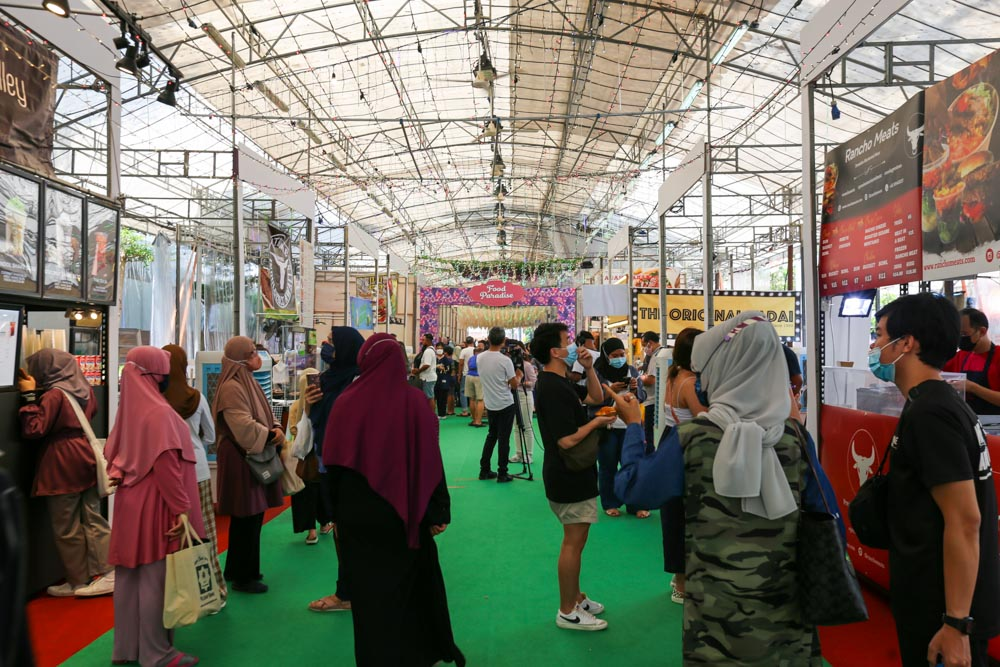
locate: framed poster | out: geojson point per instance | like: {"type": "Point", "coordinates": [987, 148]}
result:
{"type": "Point", "coordinates": [11, 319]}
{"type": "Point", "coordinates": [20, 199]}
{"type": "Point", "coordinates": [63, 275]}
{"type": "Point", "coordinates": [101, 252]}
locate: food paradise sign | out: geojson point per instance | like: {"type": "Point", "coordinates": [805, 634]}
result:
{"type": "Point", "coordinates": [686, 308]}
{"type": "Point", "coordinates": [496, 293]}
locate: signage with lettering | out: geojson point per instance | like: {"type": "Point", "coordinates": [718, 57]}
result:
{"type": "Point", "coordinates": [871, 205]}
{"type": "Point", "coordinates": [27, 101]}
{"type": "Point", "coordinates": [686, 308]}
{"type": "Point", "coordinates": [496, 293]}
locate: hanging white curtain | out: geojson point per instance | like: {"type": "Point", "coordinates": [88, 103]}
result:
{"type": "Point", "coordinates": [164, 302]}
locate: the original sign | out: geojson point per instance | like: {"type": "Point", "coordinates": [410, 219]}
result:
{"type": "Point", "coordinates": [496, 293]}
{"type": "Point", "coordinates": [686, 308]}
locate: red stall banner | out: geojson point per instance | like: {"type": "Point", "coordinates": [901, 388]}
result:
{"type": "Point", "coordinates": [853, 444]}
{"type": "Point", "coordinates": [870, 234]}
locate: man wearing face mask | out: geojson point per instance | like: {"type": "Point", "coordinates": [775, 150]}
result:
{"type": "Point", "coordinates": [977, 359]}
{"type": "Point", "coordinates": [653, 350]}
{"type": "Point", "coordinates": [572, 494]}
{"type": "Point", "coordinates": [944, 568]}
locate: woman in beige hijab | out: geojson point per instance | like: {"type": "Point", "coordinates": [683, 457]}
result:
{"type": "Point", "coordinates": [244, 424]}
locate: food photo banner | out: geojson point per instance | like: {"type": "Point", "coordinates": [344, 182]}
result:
{"type": "Point", "coordinates": [870, 233]}
{"type": "Point", "coordinates": [961, 177]}
{"type": "Point", "coordinates": [686, 308]}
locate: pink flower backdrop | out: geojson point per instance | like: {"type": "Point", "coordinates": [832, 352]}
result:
{"type": "Point", "coordinates": [562, 298]}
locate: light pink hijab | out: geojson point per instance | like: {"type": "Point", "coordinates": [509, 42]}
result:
{"type": "Point", "coordinates": [146, 425]}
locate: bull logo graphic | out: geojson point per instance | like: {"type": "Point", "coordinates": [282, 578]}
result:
{"type": "Point", "coordinates": [863, 456]}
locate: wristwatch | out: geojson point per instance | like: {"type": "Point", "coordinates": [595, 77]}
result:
{"type": "Point", "coordinates": [964, 625]}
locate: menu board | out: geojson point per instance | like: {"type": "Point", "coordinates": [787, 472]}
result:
{"type": "Point", "coordinates": [870, 234]}
{"type": "Point", "coordinates": [63, 245]}
{"type": "Point", "coordinates": [961, 199]}
{"type": "Point", "coordinates": [102, 252]}
{"type": "Point", "coordinates": [19, 226]}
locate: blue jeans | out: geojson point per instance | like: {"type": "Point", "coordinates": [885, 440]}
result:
{"type": "Point", "coordinates": [462, 398]}
{"type": "Point", "coordinates": [609, 456]}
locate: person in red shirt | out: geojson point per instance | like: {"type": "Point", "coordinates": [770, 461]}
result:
{"type": "Point", "coordinates": [977, 358]}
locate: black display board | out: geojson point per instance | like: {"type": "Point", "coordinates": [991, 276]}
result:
{"type": "Point", "coordinates": [64, 217]}
{"type": "Point", "coordinates": [20, 233]}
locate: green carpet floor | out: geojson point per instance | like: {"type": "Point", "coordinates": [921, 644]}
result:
{"type": "Point", "coordinates": [499, 562]}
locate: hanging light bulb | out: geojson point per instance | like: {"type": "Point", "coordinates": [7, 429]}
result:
{"type": "Point", "coordinates": [57, 7]}
{"type": "Point", "coordinates": [498, 166]}
{"type": "Point", "coordinates": [168, 96]}
{"type": "Point", "coordinates": [484, 73]}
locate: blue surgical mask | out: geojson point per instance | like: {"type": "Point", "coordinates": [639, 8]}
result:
{"type": "Point", "coordinates": [328, 353]}
{"type": "Point", "coordinates": [571, 356]}
{"type": "Point", "coordinates": [882, 371]}
{"type": "Point", "coordinates": [617, 362]}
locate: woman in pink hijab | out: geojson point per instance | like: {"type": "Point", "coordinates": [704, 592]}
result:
{"type": "Point", "coordinates": [390, 500]}
{"type": "Point", "coordinates": [151, 457]}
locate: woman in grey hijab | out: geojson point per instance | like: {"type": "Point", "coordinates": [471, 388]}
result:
{"type": "Point", "coordinates": [741, 472]}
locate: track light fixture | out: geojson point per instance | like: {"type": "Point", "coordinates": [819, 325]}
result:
{"type": "Point", "coordinates": [127, 63]}
{"type": "Point", "coordinates": [168, 96]}
{"type": "Point", "coordinates": [143, 59]}
{"type": "Point", "coordinates": [57, 7]}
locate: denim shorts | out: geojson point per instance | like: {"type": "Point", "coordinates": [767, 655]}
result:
{"type": "Point", "coordinates": [429, 388]}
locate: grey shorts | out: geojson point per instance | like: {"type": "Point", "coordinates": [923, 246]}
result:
{"type": "Point", "coordinates": [584, 511]}
{"type": "Point", "coordinates": [429, 388]}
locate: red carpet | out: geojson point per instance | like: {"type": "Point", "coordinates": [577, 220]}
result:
{"type": "Point", "coordinates": [62, 626]}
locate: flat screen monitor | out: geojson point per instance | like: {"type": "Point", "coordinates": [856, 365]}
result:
{"type": "Point", "coordinates": [857, 304]}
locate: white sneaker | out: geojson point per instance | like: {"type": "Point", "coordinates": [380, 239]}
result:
{"type": "Point", "coordinates": [103, 586]}
{"type": "Point", "coordinates": [676, 596]}
{"type": "Point", "coordinates": [66, 590]}
{"type": "Point", "coordinates": [580, 620]}
{"type": "Point", "coordinates": [591, 606]}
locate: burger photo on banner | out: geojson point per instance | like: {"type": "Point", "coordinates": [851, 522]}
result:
{"type": "Point", "coordinates": [961, 176]}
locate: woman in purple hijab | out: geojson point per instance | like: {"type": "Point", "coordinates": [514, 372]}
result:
{"type": "Point", "coordinates": [390, 501]}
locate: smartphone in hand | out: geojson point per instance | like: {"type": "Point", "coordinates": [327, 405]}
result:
{"type": "Point", "coordinates": [313, 380]}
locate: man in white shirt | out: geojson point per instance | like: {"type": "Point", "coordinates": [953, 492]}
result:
{"type": "Point", "coordinates": [499, 380]}
{"type": "Point", "coordinates": [426, 368]}
{"type": "Point", "coordinates": [468, 350]}
{"type": "Point", "coordinates": [585, 343]}
{"type": "Point", "coordinates": [653, 351]}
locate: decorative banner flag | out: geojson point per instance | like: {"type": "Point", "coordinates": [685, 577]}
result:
{"type": "Point", "coordinates": [686, 308]}
{"type": "Point", "coordinates": [373, 289]}
{"type": "Point", "coordinates": [27, 102]}
{"type": "Point", "coordinates": [361, 313]}
{"type": "Point", "coordinates": [278, 284]}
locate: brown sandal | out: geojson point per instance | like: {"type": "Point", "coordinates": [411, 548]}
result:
{"type": "Point", "coordinates": [329, 603]}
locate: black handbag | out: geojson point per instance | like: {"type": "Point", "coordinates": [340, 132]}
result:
{"type": "Point", "coordinates": [869, 511]}
{"type": "Point", "coordinates": [828, 588]}
{"type": "Point", "coordinates": [583, 454]}
{"type": "Point", "coordinates": [266, 467]}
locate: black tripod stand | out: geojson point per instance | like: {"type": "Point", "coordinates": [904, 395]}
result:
{"type": "Point", "coordinates": [522, 428]}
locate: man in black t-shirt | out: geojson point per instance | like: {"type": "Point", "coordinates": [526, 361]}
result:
{"type": "Point", "coordinates": [563, 424]}
{"type": "Point", "coordinates": [944, 568]}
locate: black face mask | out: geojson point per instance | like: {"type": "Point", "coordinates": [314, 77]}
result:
{"type": "Point", "coordinates": [163, 384]}
{"type": "Point", "coordinates": [965, 344]}
{"type": "Point", "coordinates": [327, 353]}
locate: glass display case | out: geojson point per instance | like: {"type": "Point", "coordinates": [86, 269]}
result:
{"type": "Point", "coordinates": [858, 389]}
{"type": "Point", "coordinates": [299, 351]}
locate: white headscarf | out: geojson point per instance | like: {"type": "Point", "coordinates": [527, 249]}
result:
{"type": "Point", "coordinates": [743, 370]}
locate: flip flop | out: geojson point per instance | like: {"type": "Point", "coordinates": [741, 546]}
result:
{"type": "Point", "coordinates": [325, 605]}
{"type": "Point", "coordinates": [613, 512]}
{"type": "Point", "coordinates": [310, 541]}
{"type": "Point", "coordinates": [642, 514]}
